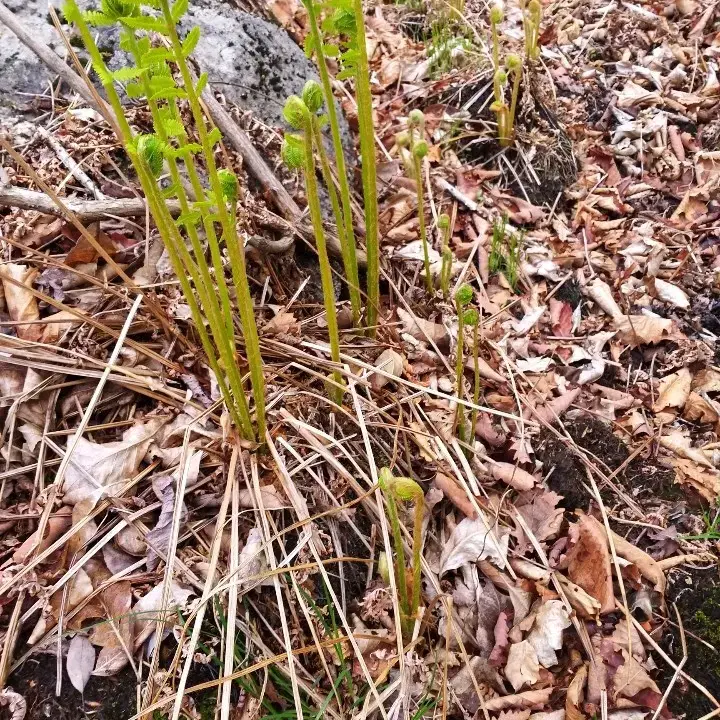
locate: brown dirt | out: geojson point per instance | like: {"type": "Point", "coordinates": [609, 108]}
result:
{"type": "Point", "coordinates": [642, 475]}
{"type": "Point", "coordinates": [105, 698]}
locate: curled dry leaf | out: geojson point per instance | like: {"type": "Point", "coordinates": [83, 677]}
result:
{"type": "Point", "coordinates": [14, 702]}
{"type": "Point", "coordinates": [704, 481]}
{"type": "Point", "coordinates": [522, 667]}
{"type": "Point", "coordinates": [600, 293]}
{"type": "Point", "coordinates": [561, 317]}
{"type": "Point", "coordinates": [555, 409]}
{"type": "Point", "coordinates": [473, 540]}
{"type": "Point", "coordinates": [674, 391]}
{"type": "Point", "coordinates": [680, 445]}
{"type": "Point", "coordinates": [149, 609]}
{"type": "Point", "coordinates": [423, 330]}
{"type": "Point", "coordinates": [575, 694]}
{"type": "Point", "coordinates": [486, 372]}
{"type": "Point", "coordinates": [22, 305]}
{"type": "Point", "coordinates": [57, 524]}
{"type": "Point", "coordinates": [272, 498]}
{"type": "Point", "coordinates": [669, 293]}
{"type": "Point", "coordinates": [532, 699]}
{"type": "Point", "coordinates": [159, 537]}
{"type": "Point", "coordinates": [588, 562]}
{"type": "Point", "coordinates": [390, 362]}
{"type": "Point", "coordinates": [80, 661]}
{"type": "Point", "coordinates": [700, 409]}
{"type": "Point", "coordinates": [513, 476]}
{"type": "Point", "coordinates": [647, 566]}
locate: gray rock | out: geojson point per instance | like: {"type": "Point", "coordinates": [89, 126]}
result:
{"type": "Point", "coordinates": [22, 75]}
{"type": "Point", "coordinates": [255, 64]}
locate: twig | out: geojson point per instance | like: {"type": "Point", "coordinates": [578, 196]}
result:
{"type": "Point", "coordinates": [70, 163]}
{"type": "Point", "coordinates": [85, 210]}
{"type": "Point", "coordinates": [454, 192]}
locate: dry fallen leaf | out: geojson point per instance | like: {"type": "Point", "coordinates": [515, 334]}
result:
{"type": "Point", "coordinates": [390, 362]}
{"type": "Point", "coordinates": [423, 329]}
{"type": "Point", "coordinates": [149, 609]}
{"type": "Point", "coordinates": [669, 293]}
{"type": "Point", "coordinates": [513, 476]}
{"type": "Point", "coordinates": [284, 323]}
{"type": "Point", "coordinates": [674, 391]}
{"type": "Point", "coordinates": [630, 678]}
{"type": "Point", "coordinates": [547, 633]}
{"type": "Point", "coordinates": [704, 481]}
{"type": "Point", "coordinates": [22, 305]}
{"type": "Point", "coordinates": [642, 329]}
{"type": "Point", "coordinates": [539, 510]}
{"type": "Point", "coordinates": [473, 540]}
{"type": "Point", "coordinates": [588, 562]}
{"type": "Point", "coordinates": [103, 468]}
{"type": "Point", "coordinates": [701, 409]}
{"type": "Point", "coordinates": [80, 661]}
{"type": "Point", "coordinates": [522, 667]}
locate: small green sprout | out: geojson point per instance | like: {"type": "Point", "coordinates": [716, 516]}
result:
{"type": "Point", "coordinates": [416, 119]}
{"type": "Point", "coordinates": [295, 112]}
{"type": "Point", "coordinates": [293, 151]}
{"type": "Point", "coordinates": [406, 490]}
{"type": "Point", "coordinates": [505, 249]}
{"type": "Point", "coordinates": [312, 96]}
{"type": "Point", "coordinates": [229, 186]}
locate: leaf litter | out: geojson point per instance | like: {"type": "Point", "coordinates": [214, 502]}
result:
{"type": "Point", "coordinates": [599, 393]}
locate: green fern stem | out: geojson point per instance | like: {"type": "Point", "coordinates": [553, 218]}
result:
{"type": "Point", "coordinates": [369, 171]}
{"type": "Point", "coordinates": [343, 218]}
{"type": "Point", "coordinates": [477, 384]}
{"type": "Point", "coordinates": [400, 566]}
{"type": "Point", "coordinates": [232, 242]}
{"type": "Point", "coordinates": [328, 289]}
{"type": "Point", "coordinates": [353, 286]}
{"type": "Point", "coordinates": [459, 372]}
{"type": "Point", "coordinates": [417, 550]}
{"type": "Point", "coordinates": [172, 240]}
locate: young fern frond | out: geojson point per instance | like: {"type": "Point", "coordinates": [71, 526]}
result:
{"type": "Point", "coordinates": [405, 489]}
{"type": "Point", "coordinates": [419, 149]}
{"type": "Point", "coordinates": [343, 217]}
{"type": "Point", "coordinates": [298, 152]}
{"type": "Point", "coordinates": [208, 138]}
{"type": "Point", "coordinates": [168, 145]}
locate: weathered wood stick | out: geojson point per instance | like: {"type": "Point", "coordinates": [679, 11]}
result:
{"type": "Point", "coordinates": [86, 210]}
